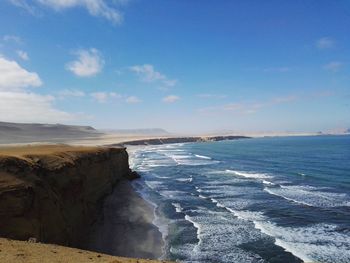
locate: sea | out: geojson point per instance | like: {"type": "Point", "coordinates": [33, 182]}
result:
{"type": "Point", "coordinates": [277, 199]}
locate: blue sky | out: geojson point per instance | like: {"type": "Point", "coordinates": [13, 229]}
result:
{"type": "Point", "coordinates": [185, 66]}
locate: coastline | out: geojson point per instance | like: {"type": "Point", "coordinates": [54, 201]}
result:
{"type": "Point", "coordinates": [99, 175]}
{"type": "Point", "coordinates": [125, 227]}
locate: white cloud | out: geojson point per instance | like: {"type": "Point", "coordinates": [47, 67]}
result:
{"type": "Point", "coordinates": [325, 43]}
{"type": "Point", "coordinates": [12, 38]}
{"type": "Point", "coordinates": [22, 54]}
{"type": "Point", "coordinates": [132, 99]}
{"type": "Point", "coordinates": [30, 107]}
{"type": "Point", "coordinates": [211, 96]}
{"type": "Point", "coordinates": [24, 4]}
{"type": "Point", "coordinates": [14, 77]}
{"type": "Point", "coordinates": [171, 99]}
{"type": "Point", "coordinates": [18, 105]}
{"type": "Point", "coordinates": [102, 96]}
{"type": "Point", "coordinates": [333, 66]}
{"type": "Point", "coordinates": [66, 93]}
{"type": "Point", "coordinates": [286, 99]}
{"type": "Point", "coordinates": [89, 63]}
{"type": "Point", "coordinates": [98, 8]}
{"type": "Point", "coordinates": [147, 73]}
{"type": "Point", "coordinates": [247, 107]}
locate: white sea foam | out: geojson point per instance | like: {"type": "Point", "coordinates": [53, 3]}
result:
{"type": "Point", "coordinates": [160, 222]}
{"type": "Point", "coordinates": [198, 189]}
{"type": "Point", "coordinates": [184, 179]}
{"type": "Point", "coordinates": [249, 174]}
{"type": "Point", "coordinates": [219, 235]}
{"type": "Point", "coordinates": [162, 177]}
{"type": "Point", "coordinates": [178, 207]}
{"type": "Point", "coordinates": [202, 156]}
{"type": "Point", "coordinates": [315, 243]}
{"type": "Point", "coordinates": [198, 227]}
{"type": "Point", "coordinates": [153, 184]}
{"type": "Point", "coordinates": [309, 195]}
{"type": "Point", "coordinates": [267, 182]}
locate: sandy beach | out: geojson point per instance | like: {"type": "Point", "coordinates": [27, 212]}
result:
{"type": "Point", "coordinates": [125, 227]}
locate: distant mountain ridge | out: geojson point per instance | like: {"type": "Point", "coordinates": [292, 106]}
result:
{"type": "Point", "coordinates": [150, 131]}
{"type": "Point", "coordinates": [36, 132]}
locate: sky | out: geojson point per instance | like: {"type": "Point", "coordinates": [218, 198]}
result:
{"type": "Point", "coordinates": [188, 66]}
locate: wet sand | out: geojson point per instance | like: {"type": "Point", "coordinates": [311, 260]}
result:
{"type": "Point", "coordinates": [125, 227]}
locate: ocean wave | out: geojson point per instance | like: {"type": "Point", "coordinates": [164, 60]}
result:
{"type": "Point", "coordinates": [184, 179]}
{"type": "Point", "coordinates": [202, 157]}
{"type": "Point", "coordinates": [159, 221]}
{"type": "Point", "coordinates": [315, 243]}
{"type": "Point", "coordinates": [249, 175]}
{"type": "Point", "coordinates": [267, 182]}
{"type": "Point", "coordinates": [153, 184]}
{"type": "Point", "coordinates": [218, 242]}
{"type": "Point", "coordinates": [198, 227]}
{"type": "Point", "coordinates": [177, 207]}
{"type": "Point", "coordinates": [308, 195]}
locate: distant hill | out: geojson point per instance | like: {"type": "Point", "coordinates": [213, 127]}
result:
{"type": "Point", "coordinates": [34, 132]}
{"type": "Point", "coordinates": [152, 131]}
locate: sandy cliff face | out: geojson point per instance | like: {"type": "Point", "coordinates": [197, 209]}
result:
{"type": "Point", "coordinates": [53, 194]}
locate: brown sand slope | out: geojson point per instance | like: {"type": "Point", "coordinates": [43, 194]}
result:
{"type": "Point", "coordinates": [25, 151]}
{"type": "Point", "coordinates": [26, 252]}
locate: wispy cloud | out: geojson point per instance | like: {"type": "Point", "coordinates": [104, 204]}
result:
{"type": "Point", "coordinates": [147, 73]}
{"type": "Point", "coordinates": [102, 96]}
{"type": "Point", "coordinates": [247, 107]}
{"type": "Point", "coordinates": [285, 99]}
{"type": "Point", "coordinates": [89, 63]}
{"type": "Point", "coordinates": [132, 100]}
{"type": "Point", "coordinates": [98, 8]}
{"type": "Point", "coordinates": [22, 54]}
{"type": "Point", "coordinates": [170, 99]}
{"type": "Point", "coordinates": [211, 96]}
{"type": "Point", "coordinates": [325, 43]}
{"type": "Point", "coordinates": [24, 5]}
{"type": "Point", "coordinates": [333, 66]}
{"type": "Point", "coordinates": [12, 38]}
{"type": "Point", "coordinates": [67, 93]}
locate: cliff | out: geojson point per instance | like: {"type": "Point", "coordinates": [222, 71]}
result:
{"type": "Point", "coordinates": [54, 193]}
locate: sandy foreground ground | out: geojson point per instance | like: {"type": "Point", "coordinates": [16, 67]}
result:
{"type": "Point", "coordinates": [26, 252]}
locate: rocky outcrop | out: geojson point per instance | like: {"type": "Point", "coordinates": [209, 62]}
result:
{"type": "Point", "coordinates": [53, 193]}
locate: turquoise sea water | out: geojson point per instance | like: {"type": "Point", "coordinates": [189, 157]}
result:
{"type": "Point", "coordinates": [254, 200]}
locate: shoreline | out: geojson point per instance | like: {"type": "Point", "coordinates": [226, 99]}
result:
{"type": "Point", "coordinates": [137, 187]}
{"type": "Point", "coordinates": [91, 188]}
{"type": "Point", "coordinates": [125, 226]}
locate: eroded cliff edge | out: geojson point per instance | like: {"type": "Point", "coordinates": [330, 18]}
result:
{"type": "Point", "coordinates": [54, 193]}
